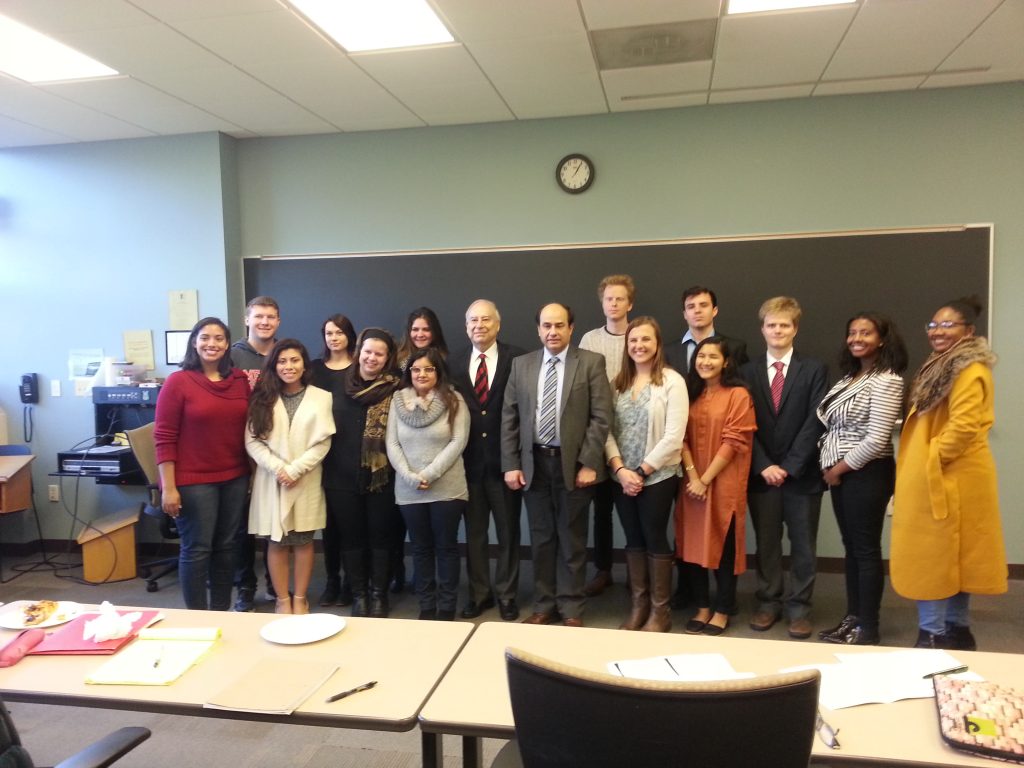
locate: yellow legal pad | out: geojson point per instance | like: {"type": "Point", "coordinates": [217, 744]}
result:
{"type": "Point", "coordinates": [158, 657]}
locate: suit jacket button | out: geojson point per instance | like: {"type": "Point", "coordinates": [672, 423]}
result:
{"type": "Point", "coordinates": [483, 413]}
{"type": "Point", "coordinates": [483, 434]}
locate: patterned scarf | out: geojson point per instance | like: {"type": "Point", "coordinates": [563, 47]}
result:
{"type": "Point", "coordinates": [934, 381]}
{"type": "Point", "coordinates": [375, 397]}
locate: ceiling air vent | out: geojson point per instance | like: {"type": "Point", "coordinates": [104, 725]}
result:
{"type": "Point", "coordinates": [656, 44]}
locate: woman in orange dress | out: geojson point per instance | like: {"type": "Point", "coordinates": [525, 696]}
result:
{"type": "Point", "coordinates": [710, 512]}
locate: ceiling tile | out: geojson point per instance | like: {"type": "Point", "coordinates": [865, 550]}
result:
{"type": "Point", "coordinates": [760, 94]}
{"type": "Point", "coordinates": [608, 14]}
{"type": "Point", "coordinates": [177, 10]}
{"type": "Point", "coordinates": [998, 42]}
{"type": "Point", "coordinates": [140, 104]}
{"type": "Point", "coordinates": [777, 48]}
{"type": "Point", "coordinates": [47, 111]}
{"type": "Point", "coordinates": [550, 76]}
{"type": "Point", "coordinates": [15, 133]}
{"type": "Point", "coordinates": [893, 37]}
{"type": "Point", "coordinates": [641, 84]}
{"type": "Point", "coordinates": [441, 84]}
{"type": "Point", "coordinates": [474, 21]}
{"type": "Point", "coordinates": [54, 17]}
{"type": "Point", "coordinates": [868, 86]}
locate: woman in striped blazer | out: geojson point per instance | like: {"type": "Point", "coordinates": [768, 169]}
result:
{"type": "Point", "coordinates": [857, 463]}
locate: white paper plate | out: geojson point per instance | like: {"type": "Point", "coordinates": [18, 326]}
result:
{"type": "Point", "coordinates": [13, 616]}
{"type": "Point", "coordinates": [296, 630]}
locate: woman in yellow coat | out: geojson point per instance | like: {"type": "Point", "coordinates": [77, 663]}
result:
{"type": "Point", "coordinates": [947, 540]}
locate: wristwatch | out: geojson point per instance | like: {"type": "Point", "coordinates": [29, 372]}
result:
{"type": "Point", "coordinates": [640, 471]}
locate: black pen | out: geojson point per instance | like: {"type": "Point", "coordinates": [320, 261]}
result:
{"type": "Point", "coordinates": [350, 691]}
{"type": "Point", "coordinates": [950, 671]}
{"type": "Point", "coordinates": [825, 732]}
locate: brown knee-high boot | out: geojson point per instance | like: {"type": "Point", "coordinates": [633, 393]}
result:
{"type": "Point", "coordinates": [636, 566]}
{"type": "Point", "coordinates": [660, 569]}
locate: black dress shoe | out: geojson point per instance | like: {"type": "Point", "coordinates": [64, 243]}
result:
{"type": "Point", "coordinates": [508, 609]}
{"type": "Point", "coordinates": [474, 609]}
{"type": "Point", "coordinates": [832, 634]}
{"type": "Point", "coordinates": [445, 615]}
{"type": "Point", "coordinates": [926, 639]}
{"type": "Point", "coordinates": [428, 614]}
{"type": "Point", "coordinates": [960, 638]}
{"type": "Point", "coordinates": [857, 636]}
{"type": "Point", "coordinates": [330, 594]}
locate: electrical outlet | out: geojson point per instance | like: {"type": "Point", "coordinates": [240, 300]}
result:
{"type": "Point", "coordinates": [54, 387]}
{"type": "Point", "coordinates": [54, 492]}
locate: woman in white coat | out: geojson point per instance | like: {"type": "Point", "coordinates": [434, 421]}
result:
{"type": "Point", "coordinates": [644, 453]}
{"type": "Point", "coordinates": [289, 433]}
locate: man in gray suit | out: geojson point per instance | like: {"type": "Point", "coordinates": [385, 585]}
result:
{"type": "Point", "coordinates": [556, 415]}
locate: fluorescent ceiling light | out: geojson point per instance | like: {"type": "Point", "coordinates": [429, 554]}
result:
{"type": "Point", "coordinates": [32, 56]}
{"type": "Point", "coordinates": [756, 6]}
{"type": "Point", "coordinates": [371, 25]}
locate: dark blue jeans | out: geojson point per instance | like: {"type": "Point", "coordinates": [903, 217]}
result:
{"type": "Point", "coordinates": [434, 529]}
{"type": "Point", "coordinates": [209, 519]}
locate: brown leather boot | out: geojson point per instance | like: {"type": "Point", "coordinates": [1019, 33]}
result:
{"type": "Point", "coordinates": [660, 569]}
{"type": "Point", "coordinates": [636, 566]}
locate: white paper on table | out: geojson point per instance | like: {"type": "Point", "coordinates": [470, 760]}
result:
{"type": "Point", "coordinates": [693, 667]}
{"type": "Point", "coordinates": [881, 678]}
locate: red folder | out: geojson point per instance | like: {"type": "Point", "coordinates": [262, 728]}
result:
{"type": "Point", "coordinates": [70, 639]}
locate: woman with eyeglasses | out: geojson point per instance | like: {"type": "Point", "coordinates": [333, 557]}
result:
{"type": "Point", "coordinates": [428, 428]}
{"type": "Point", "coordinates": [856, 456]}
{"type": "Point", "coordinates": [947, 539]}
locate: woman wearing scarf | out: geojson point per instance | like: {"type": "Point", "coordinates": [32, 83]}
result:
{"type": "Point", "coordinates": [427, 431]}
{"type": "Point", "coordinates": [947, 539]}
{"type": "Point", "coordinates": [358, 480]}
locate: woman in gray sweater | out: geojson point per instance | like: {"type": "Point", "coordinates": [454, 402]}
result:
{"type": "Point", "coordinates": [428, 427]}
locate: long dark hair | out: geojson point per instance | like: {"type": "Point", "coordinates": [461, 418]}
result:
{"type": "Point", "coordinates": [406, 348]}
{"type": "Point", "coordinates": [695, 385]}
{"type": "Point", "coordinates": [627, 373]}
{"type": "Point", "coordinates": [892, 352]}
{"type": "Point", "coordinates": [191, 361]}
{"type": "Point", "coordinates": [346, 327]}
{"type": "Point", "coordinates": [269, 387]}
{"type": "Point", "coordinates": [443, 387]}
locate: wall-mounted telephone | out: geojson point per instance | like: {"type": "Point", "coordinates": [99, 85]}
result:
{"type": "Point", "coordinates": [29, 388]}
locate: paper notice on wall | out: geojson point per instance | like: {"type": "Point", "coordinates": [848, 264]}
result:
{"type": "Point", "coordinates": [138, 349]}
{"type": "Point", "coordinates": [183, 309]}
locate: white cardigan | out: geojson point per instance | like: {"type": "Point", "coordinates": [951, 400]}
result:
{"type": "Point", "coordinates": [667, 412]}
{"type": "Point", "coordinates": [299, 449]}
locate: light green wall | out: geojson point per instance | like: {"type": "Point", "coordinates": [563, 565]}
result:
{"type": "Point", "coordinates": [859, 162]}
{"type": "Point", "coordinates": [92, 236]}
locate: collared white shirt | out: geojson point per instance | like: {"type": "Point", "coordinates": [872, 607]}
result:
{"type": "Point", "coordinates": [491, 353]}
{"type": "Point", "coordinates": [560, 373]}
{"type": "Point", "coordinates": [785, 360]}
{"type": "Point", "coordinates": [690, 345]}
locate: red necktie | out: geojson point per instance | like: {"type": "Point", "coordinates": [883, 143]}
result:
{"type": "Point", "coordinates": [777, 382]}
{"type": "Point", "coordinates": [480, 385]}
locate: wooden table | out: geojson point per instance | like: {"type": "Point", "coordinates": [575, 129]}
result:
{"type": "Point", "coordinates": [407, 658]}
{"type": "Point", "coordinates": [15, 483]}
{"type": "Point", "coordinates": [473, 701]}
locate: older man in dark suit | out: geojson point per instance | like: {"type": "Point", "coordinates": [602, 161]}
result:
{"type": "Point", "coordinates": [480, 373]}
{"type": "Point", "coordinates": [785, 482]}
{"type": "Point", "coordinates": [557, 411]}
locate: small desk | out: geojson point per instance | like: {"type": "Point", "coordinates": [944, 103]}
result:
{"type": "Point", "coordinates": [406, 657]}
{"type": "Point", "coordinates": [473, 701]}
{"type": "Point", "coordinates": [15, 483]}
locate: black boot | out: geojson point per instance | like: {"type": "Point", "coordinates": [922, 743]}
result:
{"type": "Point", "coordinates": [379, 562]}
{"type": "Point", "coordinates": [355, 568]}
{"type": "Point", "coordinates": [926, 639]}
{"type": "Point", "coordinates": [960, 638]}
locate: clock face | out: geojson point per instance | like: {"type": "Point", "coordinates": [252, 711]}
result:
{"type": "Point", "coordinates": [574, 173]}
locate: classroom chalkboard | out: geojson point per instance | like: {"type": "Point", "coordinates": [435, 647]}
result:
{"type": "Point", "coordinates": [906, 274]}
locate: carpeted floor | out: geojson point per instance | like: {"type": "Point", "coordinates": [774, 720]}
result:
{"type": "Point", "coordinates": [52, 733]}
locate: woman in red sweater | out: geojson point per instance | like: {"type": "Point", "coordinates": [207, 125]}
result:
{"type": "Point", "coordinates": [204, 470]}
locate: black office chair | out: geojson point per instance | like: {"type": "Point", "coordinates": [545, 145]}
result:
{"type": "Point", "coordinates": [566, 716]}
{"type": "Point", "coordinates": [143, 446]}
{"type": "Point", "coordinates": [99, 754]}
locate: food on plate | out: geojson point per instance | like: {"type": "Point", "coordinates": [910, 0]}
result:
{"type": "Point", "coordinates": [38, 612]}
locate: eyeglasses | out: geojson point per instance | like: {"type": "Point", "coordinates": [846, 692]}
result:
{"type": "Point", "coordinates": [418, 371]}
{"type": "Point", "coordinates": [945, 325]}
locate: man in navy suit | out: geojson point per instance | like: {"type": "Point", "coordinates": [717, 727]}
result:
{"type": "Point", "coordinates": [557, 411]}
{"type": "Point", "coordinates": [785, 481]}
{"type": "Point", "coordinates": [480, 374]}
